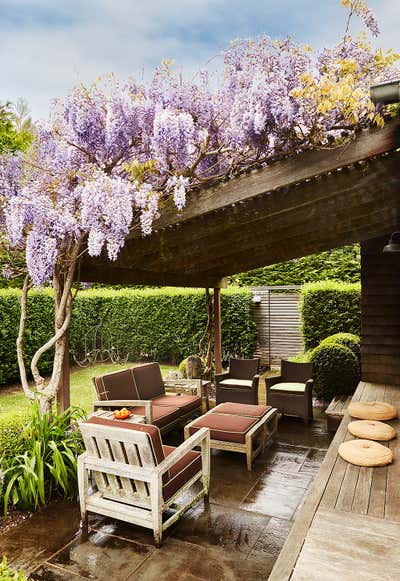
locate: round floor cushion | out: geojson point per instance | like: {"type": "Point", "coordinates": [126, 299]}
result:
{"type": "Point", "coordinates": [371, 430]}
{"type": "Point", "coordinates": [372, 410]}
{"type": "Point", "coordinates": [365, 453]}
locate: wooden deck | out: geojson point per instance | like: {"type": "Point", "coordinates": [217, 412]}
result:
{"type": "Point", "coordinates": [349, 524]}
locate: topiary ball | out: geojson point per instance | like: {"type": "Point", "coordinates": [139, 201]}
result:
{"type": "Point", "coordinates": [336, 370]}
{"type": "Point", "coordinates": [182, 368]}
{"type": "Point", "coordinates": [349, 340]}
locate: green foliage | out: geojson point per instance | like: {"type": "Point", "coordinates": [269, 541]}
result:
{"type": "Point", "coordinates": [8, 574]}
{"type": "Point", "coordinates": [158, 324]}
{"type": "Point", "coordinates": [327, 308]}
{"type": "Point", "coordinates": [182, 367]}
{"type": "Point", "coordinates": [349, 340]}
{"type": "Point", "coordinates": [11, 138]}
{"type": "Point", "coordinates": [336, 370]}
{"type": "Point", "coordinates": [11, 434]}
{"type": "Point", "coordinates": [47, 467]}
{"type": "Point", "coordinates": [340, 264]}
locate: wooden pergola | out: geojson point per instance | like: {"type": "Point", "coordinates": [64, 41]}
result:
{"type": "Point", "coordinates": [316, 201]}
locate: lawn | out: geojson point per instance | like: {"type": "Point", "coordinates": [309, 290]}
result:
{"type": "Point", "coordinates": [82, 390]}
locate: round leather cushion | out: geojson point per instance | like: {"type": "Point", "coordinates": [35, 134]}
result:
{"type": "Point", "coordinates": [372, 410]}
{"type": "Point", "coordinates": [365, 453]}
{"type": "Point", "coordinates": [371, 430]}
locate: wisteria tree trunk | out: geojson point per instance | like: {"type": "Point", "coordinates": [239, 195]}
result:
{"type": "Point", "coordinates": [45, 389]}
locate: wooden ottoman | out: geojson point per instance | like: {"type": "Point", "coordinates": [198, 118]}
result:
{"type": "Point", "coordinates": [238, 427]}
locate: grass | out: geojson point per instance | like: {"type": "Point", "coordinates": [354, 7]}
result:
{"type": "Point", "coordinates": [82, 390]}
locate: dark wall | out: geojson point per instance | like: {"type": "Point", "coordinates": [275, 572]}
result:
{"type": "Point", "coordinates": [380, 321]}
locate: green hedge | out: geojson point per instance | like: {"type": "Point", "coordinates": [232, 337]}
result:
{"type": "Point", "coordinates": [11, 434]}
{"type": "Point", "coordinates": [329, 307]}
{"type": "Point", "coordinates": [340, 264]}
{"type": "Point", "coordinates": [161, 324]}
{"type": "Point", "coordinates": [349, 340]}
{"type": "Point", "coordinates": [336, 370]}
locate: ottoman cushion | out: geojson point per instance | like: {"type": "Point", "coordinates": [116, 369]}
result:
{"type": "Point", "coordinates": [242, 409]}
{"type": "Point", "coordinates": [224, 427]}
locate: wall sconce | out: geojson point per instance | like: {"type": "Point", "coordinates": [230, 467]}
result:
{"type": "Point", "coordinates": [256, 299]}
{"type": "Point", "coordinates": [394, 243]}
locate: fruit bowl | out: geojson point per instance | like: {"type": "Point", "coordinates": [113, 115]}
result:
{"type": "Point", "coordinates": [122, 414]}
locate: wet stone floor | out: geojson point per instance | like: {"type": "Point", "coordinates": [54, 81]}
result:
{"type": "Point", "coordinates": [237, 536]}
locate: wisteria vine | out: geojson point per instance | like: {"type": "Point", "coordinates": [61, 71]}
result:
{"type": "Point", "coordinates": [114, 153]}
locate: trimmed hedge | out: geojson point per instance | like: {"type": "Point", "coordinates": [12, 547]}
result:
{"type": "Point", "coordinates": [12, 427]}
{"type": "Point", "coordinates": [158, 324]}
{"type": "Point", "coordinates": [336, 370]}
{"type": "Point", "coordinates": [349, 340]}
{"type": "Point", "coordinates": [327, 308]}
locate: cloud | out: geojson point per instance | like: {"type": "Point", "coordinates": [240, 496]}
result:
{"type": "Point", "coordinates": [46, 46]}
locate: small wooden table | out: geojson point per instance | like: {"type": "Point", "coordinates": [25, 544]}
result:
{"type": "Point", "coordinates": [108, 415]}
{"type": "Point", "coordinates": [256, 438]}
{"type": "Point", "coordinates": [197, 387]}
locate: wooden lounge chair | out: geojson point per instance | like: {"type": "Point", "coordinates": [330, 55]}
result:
{"type": "Point", "coordinates": [136, 478]}
{"type": "Point", "coordinates": [240, 383]}
{"type": "Point", "coordinates": [291, 391]}
{"type": "Point", "coordinates": [142, 388]}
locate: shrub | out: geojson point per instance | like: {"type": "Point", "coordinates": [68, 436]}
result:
{"type": "Point", "coordinates": [348, 340]}
{"type": "Point", "coordinates": [11, 434]}
{"type": "Point", "coordinates": [8, 574]}
{"type": "Point", "coordinates": [161, 324]}
{"type": "Point", "coordinates": [47, 465]}
{"type": "Point", "coordinates": [328, 308]}
{"type": "Point", "coordinates": [336, 370]}
{"type": "Point", "coordinates": [340, 264]}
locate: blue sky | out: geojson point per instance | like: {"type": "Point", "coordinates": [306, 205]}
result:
{"type": "Point", "coordinates": [47, 46]}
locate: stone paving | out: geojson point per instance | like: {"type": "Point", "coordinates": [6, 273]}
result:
{"type": "Point", "coordinates": [237, 536]}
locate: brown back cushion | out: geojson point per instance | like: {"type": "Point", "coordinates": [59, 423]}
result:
{"type": "Point", "coordinates": [116, 385]}
{"type": "Point", "coordinates": [243, 368]}
{"type": "Point", "coordinates": [154, 436]}
{"type": "Point", "coordinates": [293, 371]}
{"type": "Point", "coordinates": [148, 380]}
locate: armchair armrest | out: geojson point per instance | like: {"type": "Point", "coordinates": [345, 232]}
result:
{"type": "Point", "coordinates": [117, 403]}
{"type": "Point", "coordinates": [270, 381]}
{"type": "Point", "coordinates": [202, 436]}
{"type": "Point", "coordinates": [309, 385]}
{"type": "Point", "coordinates": [220, 377]}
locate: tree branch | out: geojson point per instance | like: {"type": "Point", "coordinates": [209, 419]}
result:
{"type": "Point", "coordinates": [20, 340]}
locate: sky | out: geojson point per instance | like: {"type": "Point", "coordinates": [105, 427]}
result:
{"type": "Point", "coordinates": [48, 46]}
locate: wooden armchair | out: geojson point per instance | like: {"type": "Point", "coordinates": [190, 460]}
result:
{"type": "Point", "coordinates": [240, 383]}
{"type": "Point", "coordinates": [291, 391]}
{"type": "Point", "coordinates": [136, 478]}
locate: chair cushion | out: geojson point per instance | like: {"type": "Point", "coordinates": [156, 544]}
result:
{"type": "Point", "coordinates": [162, 415]}
{"type": "Point", "coordinates": [153, 433]}
{"type": "Point", "coordinates": [148, 380]}
{"type": "Point", "coordinates": [116, 385]}
{"type": "Point", "coordinates": [242, 409]}
{"type": "Point", "coordinates": [224, 427]}
{"type": "Point", "coordinates": [289, 387]}
{"type": "Point", "coordinates": [181, 472]}
{"type": "Point", "coordinates": [183, 402]}
{"type": "Point", "coordinates": [236, 383]}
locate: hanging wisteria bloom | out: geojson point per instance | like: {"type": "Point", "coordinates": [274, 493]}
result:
{"type": "Point", "coordinates": [111, 153]}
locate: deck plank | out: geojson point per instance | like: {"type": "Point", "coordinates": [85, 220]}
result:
{"type": "Point", "coordinates": [344, 502]}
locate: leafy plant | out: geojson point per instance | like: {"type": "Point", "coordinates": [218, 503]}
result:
{"type": "Point", "coordinates": [48, 465]}
{"type": "Point", "coordinates": [336, 370]}
{"type": "Point", "coordinates": [340, 264]}
{"type": "Point", "coordinates": [348, 340]}
{"type": "Point", "coordinates": [8, 574]}
{"type": "Point", "coordinates": [329, 307]}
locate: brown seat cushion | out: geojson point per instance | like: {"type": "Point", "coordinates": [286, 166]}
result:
{"type": "Point", "coordinates": [148, 380]}
{"type": "Point", "coordinates": [181, 472]}
{"type": "Point", "coordinates": [224, 427]}
{"type": "Point", "coordinates": [162, 415]}
{"type": "Point", "coordinates": [183, 402]}
{"type": "Point", "coordinates": [116, 385]}
{"type": "Point", "coordinates": [242, 409]}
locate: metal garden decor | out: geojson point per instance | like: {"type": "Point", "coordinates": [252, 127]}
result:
{"type": "Point", "coordinates": [98, 348]}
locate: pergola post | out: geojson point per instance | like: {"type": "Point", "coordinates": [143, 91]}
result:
{"type": "Point", "coordinates": [217, 331]}
{"type": "Point", "coordinates": [64, 388]}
